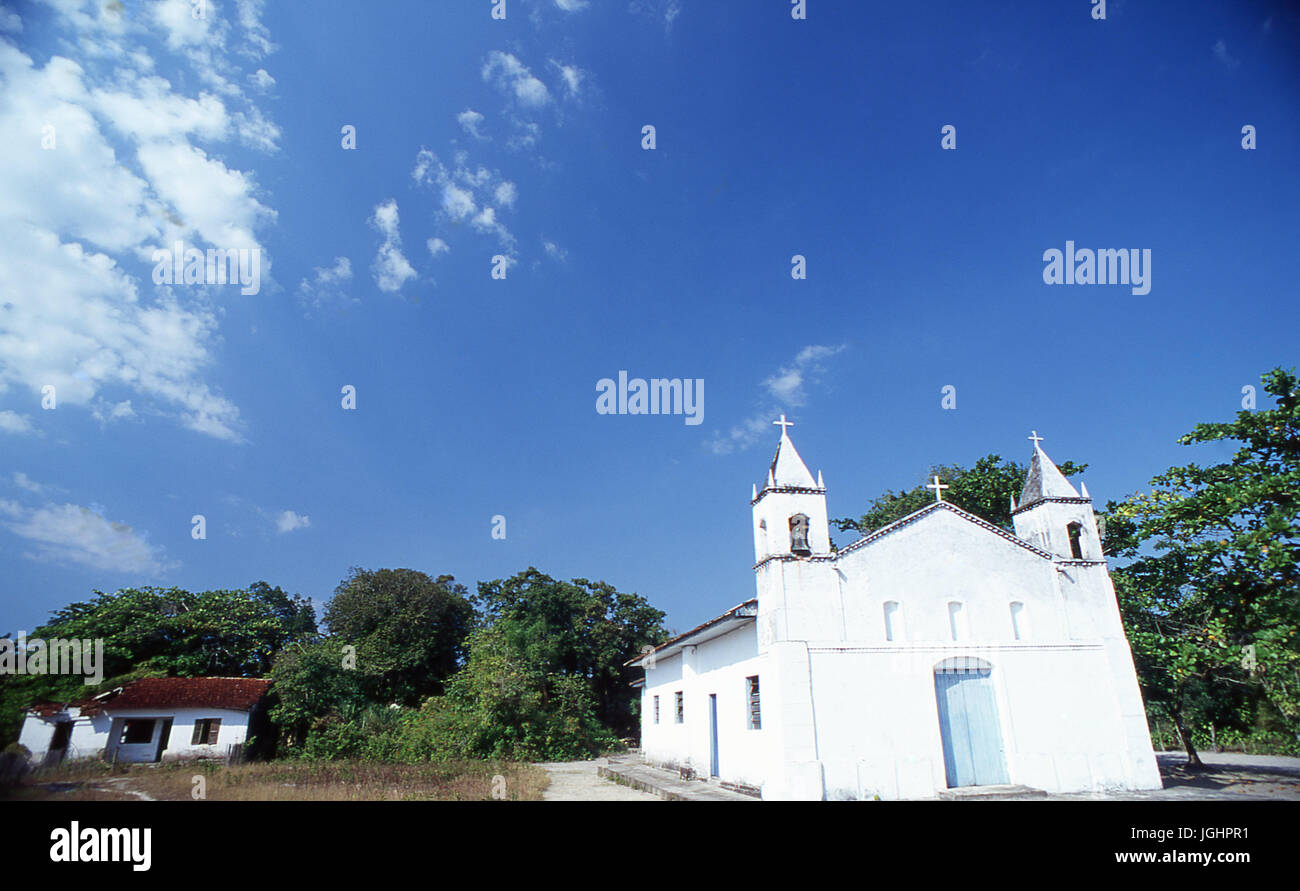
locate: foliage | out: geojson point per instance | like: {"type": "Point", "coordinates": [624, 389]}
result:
{"type": "Point", "coordinates": [1211, 595]}
{"type": "Point", "coordinates": [409, 630]}
{"type": "Point", "coordinates": [578, 629]}
{"type": "Point", "coordinates": [163, 632]}
{"type": "Point", "coordinates": [310, 684]}
{"type": "Point", "coordinates": [984, 490]}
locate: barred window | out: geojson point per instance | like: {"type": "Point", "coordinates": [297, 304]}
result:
{"type": "Point", "coordinates": [680, 711]}
{"type": "Point", "coordinates": [755, 712]}
{"type": "Point", "coordinates": [656, 709]}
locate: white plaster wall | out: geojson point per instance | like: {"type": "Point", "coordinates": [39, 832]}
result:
{"type": "Point", "coordinates": [91, 735]}
{"type": "Point", "coordinates": [719, 666]}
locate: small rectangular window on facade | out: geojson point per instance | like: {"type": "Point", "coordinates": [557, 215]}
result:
{"type": "Point", "coordinates": [656, 709]}
{"type": "Point", "coordinates": [755, 711]}
{"type": "Point", "coordinates": [680, 717]}
{"type": "Point", "coordinates": [205, 732]}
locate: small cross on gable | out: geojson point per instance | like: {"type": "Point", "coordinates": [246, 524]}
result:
{"type": "Point", "coordinates": [938, 488]}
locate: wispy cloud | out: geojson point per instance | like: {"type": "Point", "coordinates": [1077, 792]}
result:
{"type": "Point", "coordinates": [327, 285]}
{"type": "Point", "coordinates": [1221, 53]}
{"type": "Point", "coordinates": [391, 268]}
{"type": "Point", "coordinates": [71, 533]}
{"type": "Point", "coordinates": [288, 521]}
{"type": "Point", "coordinates": [783, 390]}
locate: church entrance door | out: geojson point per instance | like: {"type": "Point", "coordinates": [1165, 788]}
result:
{"type": "Point", "coordinates": [968, 722]}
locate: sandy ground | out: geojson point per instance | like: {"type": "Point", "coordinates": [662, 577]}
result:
{"type": "Point", "coordinates": [577, 781]}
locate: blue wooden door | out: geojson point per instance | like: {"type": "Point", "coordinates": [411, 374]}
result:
{"type": "Point", "coordinates": [713, 735]}
{"type": "Point", "coordinates": [968, 723]}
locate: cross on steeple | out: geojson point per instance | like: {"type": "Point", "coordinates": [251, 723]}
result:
{"type": "Point", "coordinates": [783, 423]}
{"type": "Point", "coordinates": [1035, 437]}
{"type": "Point", "coordinates": [938, 488]}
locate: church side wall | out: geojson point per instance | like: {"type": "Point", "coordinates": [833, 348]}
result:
{"type": "Point", "coordinates": [719, 667]}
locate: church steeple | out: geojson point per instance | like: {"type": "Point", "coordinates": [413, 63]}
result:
{"type": "Point", "coordinates": [1052, 514]}
{"type": "Point", "coordinates": [1045, 479]}
{"type": "Point", "coordinates": [790, 508]}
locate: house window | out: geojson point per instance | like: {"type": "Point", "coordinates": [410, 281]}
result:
{"type": "Point", "coordinates": [205, 732]}
{"type": "Point", "coordinates": [755, 716]}
{"type": "Point", "coordinates": [1075, 531]}
{"type": "Point", "coordinates": [956, 620]}
{"type": "Point", "coordinates": [893, 621]}
{"type": "Point", "coordinates": [135, 732]}
{"type": "Point", "coordinates": [680, 715]}
{"type": "Point", "coordinates": [1019, 621]}
{"type": "Point", "coordinates": [656, 709]}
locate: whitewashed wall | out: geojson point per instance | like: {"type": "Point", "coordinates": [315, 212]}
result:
{"type": "Point", "coordinates": [719, 666]}
{"type": "Point", "coordinates": [96, 735]}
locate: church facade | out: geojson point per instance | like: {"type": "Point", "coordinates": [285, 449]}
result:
{"type": "Point", "coordinates": [938, 652]}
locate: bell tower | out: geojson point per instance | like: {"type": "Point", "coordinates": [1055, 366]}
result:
{"type": "Point", "coordinates": [1052, 514]}
{"type": "Point", "coordinates": [790, 510]}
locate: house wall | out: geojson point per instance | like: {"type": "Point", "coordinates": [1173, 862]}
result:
{"type": "Point", "coordinates": [718, 666]}
{"type": "Point", "coordinates": [96, 735]}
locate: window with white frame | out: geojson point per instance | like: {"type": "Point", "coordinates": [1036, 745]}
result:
{"type": "Point", "coordinates": [680, 716]}
{"type": "Point", "coordinates": [755, 710]}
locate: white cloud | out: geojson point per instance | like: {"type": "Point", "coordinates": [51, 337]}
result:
{"type": "Point", "coordinates": [10, 22]}
{"type": "Point", "coordinates": [554, 251]}
{"type": "Point", "coordinates": [76, 216]}
{"type": "Point", "coordinates": [571, 5]}
{"type": "Point", "coordinates": [572, 76]}
{"type": "Point", "coordinates": [327, 284]}
{"type": "Point", "coordinates": [391, 268]}
{"type": "Point", "coordinates": [23, 481]}
{"type": "Point", "coordinates": [437, 246]}
{"type": "Point", "coordinates": [261, 79]}
{"type": "Point", "coordinates": [470, 121]}
{"type": "Point", "coordinates": [784, 389]}
{"type": "Point", "coordinates": [288, 521]}
{"type": "Point", "coordinates": [513, 78]}
{"type": "Point", "coordinates": [465, 192]}
{"type": "Point", "coordinates": [70, 533]}
{"type": "Point", "coordinates": [12, 422]}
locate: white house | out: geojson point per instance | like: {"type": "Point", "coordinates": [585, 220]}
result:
{"type": "Point", "coordinates": [940, 651]}
{"type": "Point", "coordinates": [147, 720]}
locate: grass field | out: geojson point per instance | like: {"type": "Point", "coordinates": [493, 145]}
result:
{"type": "Point", "coordinates": [282, 781]}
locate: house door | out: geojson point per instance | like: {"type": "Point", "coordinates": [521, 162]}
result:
{"type": "Point", "coordinates": [163, 736]}
{"type": "Point", "coordinates": [713, 735]}
{"type": "Point", "coordinates": [968, 722]}
{"type": "Point", "coordinates": [59, 743]}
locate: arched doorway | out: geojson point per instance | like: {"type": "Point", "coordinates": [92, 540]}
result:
{"type": "Point", "coordinates": [973, 753]}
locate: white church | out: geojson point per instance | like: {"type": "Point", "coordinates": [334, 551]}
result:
{"type": "Point", "coordinates": [937, 652]}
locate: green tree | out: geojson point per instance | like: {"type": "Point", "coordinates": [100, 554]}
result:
{"type": "Point", "coordinates": [1212, 589]}
{"type": "Point", "coordinates": [508, 702]}
{"type": "Point", "coordinates": [984, 490]}
{"type": "Point", "coordinates": [313, 683]}
{"type": "Point", "coordinates": [581, 629]}
{"type": "Point", "coordinates": [164, 632]}
{"type": "Point", "coordinates": [409, 630]}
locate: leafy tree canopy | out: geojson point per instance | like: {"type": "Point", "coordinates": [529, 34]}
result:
{"type": "Point", "coordinates": [409, 630]}
{"type": "Point", "coordinates": [984, 490]}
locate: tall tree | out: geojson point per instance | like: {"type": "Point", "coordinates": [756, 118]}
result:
{"type": "Point", "coordinates": [409, 630]}
{"type": "Point", "coordinates": [1213, 583]}
{"type": "Point", "coordinates": [580, 628]}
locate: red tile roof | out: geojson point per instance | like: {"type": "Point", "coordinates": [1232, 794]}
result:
{"type": "Point", "coordinates": [232, 693]}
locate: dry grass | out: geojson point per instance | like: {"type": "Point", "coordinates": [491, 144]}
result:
{"type": "Point", "coordinates": [282, 781]}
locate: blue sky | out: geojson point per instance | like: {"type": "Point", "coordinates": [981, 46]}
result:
{"type": "Point", "coordinates": [522, 138]}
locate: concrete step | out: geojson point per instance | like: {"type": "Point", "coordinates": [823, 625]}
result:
{"type": "Point", "coordinates": [666, 784]}
{"type": "Point", "coordinates": [989, 793]}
